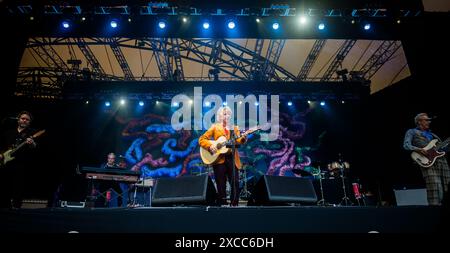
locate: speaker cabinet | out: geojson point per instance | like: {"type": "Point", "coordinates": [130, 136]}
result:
{"type": "Point", "coordinates": [187, 190]}
{"type": "Point", "coordinates": [411, 197]}
{"type": "Point", "coordinates": [275, 190]}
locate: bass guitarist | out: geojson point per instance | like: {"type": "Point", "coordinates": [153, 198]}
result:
{"type": "Point", "coordinates": [11, 189]}
{"type": "Point", "coordinates": [223, 167]}
{"type": "Point", "coordinates": [436, 175]}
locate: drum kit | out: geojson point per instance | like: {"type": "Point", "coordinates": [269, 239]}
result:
{"type": "Point", "coordinates": [337, 170]}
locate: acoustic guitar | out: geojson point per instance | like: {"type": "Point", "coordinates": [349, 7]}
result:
{"type": "Point", "coordinates": [221, 144]}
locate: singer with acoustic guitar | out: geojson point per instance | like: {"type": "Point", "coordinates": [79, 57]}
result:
{"type": "Point", "coordinates": [428, 152]}
{"type": "Point", "coordinates": [222, 166]}
{"type": "Point", "coordinates": [15, 148]}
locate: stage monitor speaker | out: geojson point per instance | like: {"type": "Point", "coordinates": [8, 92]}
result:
{"type": "Point", "coordinates": [186, 190]}
{"type": "Point", "coordinates": [276, 190]}
{"type": "Point", "coordinates": [411, 197]}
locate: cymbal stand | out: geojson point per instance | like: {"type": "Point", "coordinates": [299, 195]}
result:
{"type": "Point", "coordinates": [345, 199]}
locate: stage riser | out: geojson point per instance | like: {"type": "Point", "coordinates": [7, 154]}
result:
{"type": "Point", "coordinates": [226, 220]}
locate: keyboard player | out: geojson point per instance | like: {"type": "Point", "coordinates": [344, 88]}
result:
{"type": "Point", "coordinates": [116, 194]}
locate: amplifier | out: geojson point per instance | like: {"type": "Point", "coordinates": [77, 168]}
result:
{"type": "Point", "coordinates": [73, 204]}
{"type": "Point", "coordinates": [34, 203]}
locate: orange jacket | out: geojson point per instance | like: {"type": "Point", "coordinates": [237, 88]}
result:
{"type": "Point", "coordinates": [215, 131]}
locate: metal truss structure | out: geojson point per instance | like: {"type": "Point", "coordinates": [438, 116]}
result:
{"type": "Point", "coordinates": [364, 9]}
{"type": "Point", "coordinates": [383, 54]}
{"type": "Point", "coordinates": [312, 56]}
{"type": "Point", "coordinates": [238, 63]}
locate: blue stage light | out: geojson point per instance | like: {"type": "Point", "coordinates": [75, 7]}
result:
{"type": "Point", "coordinates": [65, 24]}
{"type": "Point", "coordinates": [107, 103]}
{"type": "Point", "coordinates": [275, 26]}
{"type": "Point", "coordinates": [141, 103]}
{"type": "Point", "coordinates": [113, 24]}
{"type": "Point", "coordinates": [206, 25]}
{"type": "Point", "coordinates": [321, 26]}
{"type": "Point", "coordinates": [366, 27]}
{"type": "Point", "coordinates": [162, 24]}
{"type": "Point", "coordinates": [231, 25]}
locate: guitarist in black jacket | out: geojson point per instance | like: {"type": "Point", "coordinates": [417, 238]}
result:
{"type": "Point", "coordinates": [436, 176]}
{"type": "Point", "coordinates": [13, 172]}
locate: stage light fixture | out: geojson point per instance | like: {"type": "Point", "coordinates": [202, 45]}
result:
{"type": "Point", "coordinates": [322, 103]}
{"type": "Point", "coordinates": [231, 25]}
{"type": "Point", "coordinates": [258, 20]}
{"type": "Point", "coordinates": [289, 103]}
{"type": "Point", "coordinates": [113, 24]}
{"type": "Point", "coordinates": [275, 26]}
{"type": "Point", "coordinates": [367, 27]}
{"type": "Point", "coordinates": [303, 20]}
{"type": "Point", "coordinates": [141, 103]}
{"type": "Point", "coordinates": [65, 24]}
{"type": "Point", "coordinates": [206, 25]}
{"type": "Point", "coordinates": [162, 24]}
{"type": "Point", "coordinates": [107, 103]}
{"type": "Point", "coordinates": [185, 20]}
{"type": "Point", "coordinates": [321, 26]}
{"type": "Point", "coordinates": [122, 101]}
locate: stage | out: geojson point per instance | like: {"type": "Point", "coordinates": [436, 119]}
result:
{"type": "Point", "coordinates": [241, 219]}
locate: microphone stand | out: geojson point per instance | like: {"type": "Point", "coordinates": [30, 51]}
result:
{"type": "Point", "coordinates": [233, 152]}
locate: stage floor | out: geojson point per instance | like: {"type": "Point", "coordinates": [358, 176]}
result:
{"type": "Point", "coordinates": [242, 219]}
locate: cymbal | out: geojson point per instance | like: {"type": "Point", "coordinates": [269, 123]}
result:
{"type": "Point", "coordinates": [301, 172]}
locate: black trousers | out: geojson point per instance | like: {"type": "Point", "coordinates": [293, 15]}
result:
{"type": "Point", "coordinates": [222, 173]}
{"type": "Point", "coordinates": [13, 186]}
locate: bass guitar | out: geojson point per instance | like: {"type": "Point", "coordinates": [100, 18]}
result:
{"type": "Point", "coordinates": [432, 153]}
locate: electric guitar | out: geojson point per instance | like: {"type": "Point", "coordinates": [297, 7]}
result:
{"type": "Point", "coordinates": [432, 153]}
{"type": "Point", "coordinates": [8, 155]}
{"type": "Point", "coordinates": [221, 144]}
